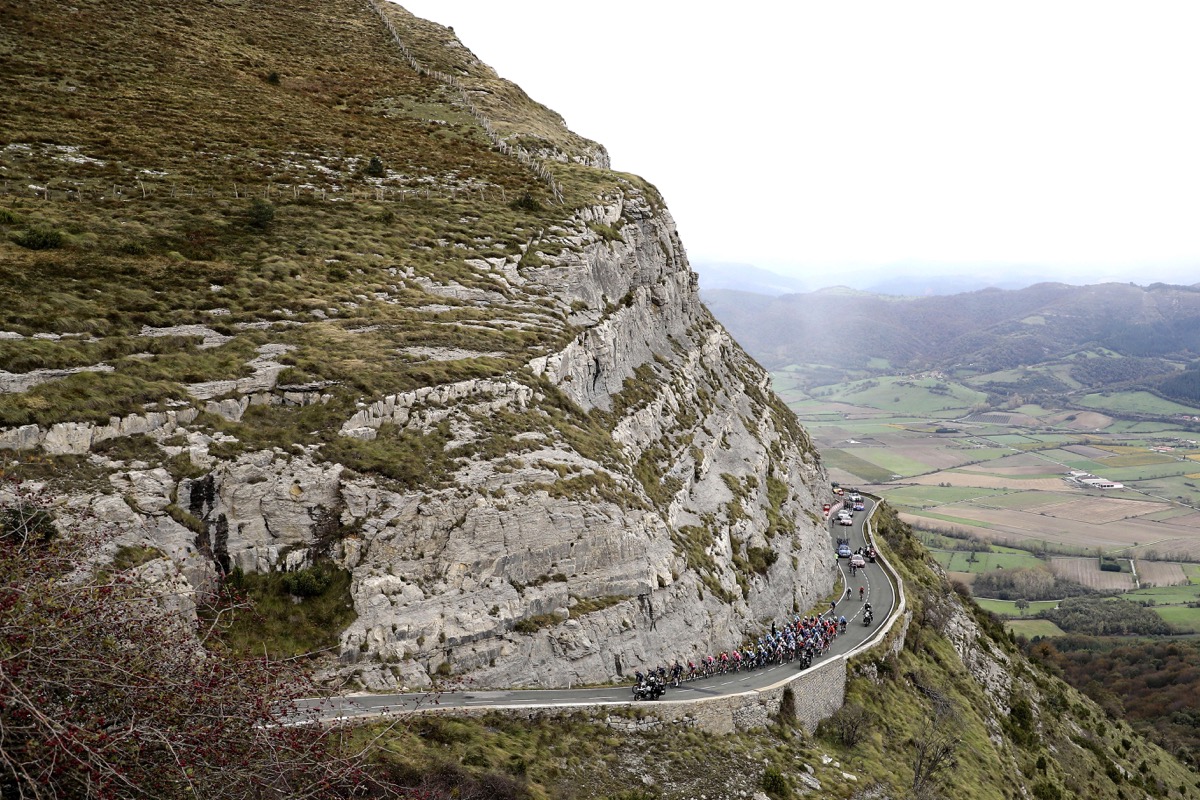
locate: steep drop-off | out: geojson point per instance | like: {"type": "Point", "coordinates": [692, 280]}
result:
{"type": "Point", "coordinates": [314, 285]}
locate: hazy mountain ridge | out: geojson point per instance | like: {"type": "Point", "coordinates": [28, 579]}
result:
{"type": "Point", "coordinates": [985, 331]}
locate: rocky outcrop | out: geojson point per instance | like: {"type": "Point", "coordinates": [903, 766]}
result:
{"type": "Point", "coordinates": [621, 489]}
{"type": "Point", "coordinates": [78, 438]}
{"type": "Point", "coordinates": [500, 577]}
{"type": "Point", "coordinates": [653, 500]}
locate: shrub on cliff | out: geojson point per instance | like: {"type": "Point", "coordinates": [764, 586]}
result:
{"type": "Point", "coordinates": [104, 693]}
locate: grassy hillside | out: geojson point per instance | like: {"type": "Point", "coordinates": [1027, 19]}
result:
{"type": "Point", "coordinates": [282, 178]}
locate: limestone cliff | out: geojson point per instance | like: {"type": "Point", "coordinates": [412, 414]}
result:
{"type": "Point", "coordinates": [482, 381]}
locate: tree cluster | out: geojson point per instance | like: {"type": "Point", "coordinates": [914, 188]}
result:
{"type": "Point", "coordinates": [1111, 371]}
{"type": "Point", "coordinates": [1025, 583]}
{"type": "Point", "coordinates": [1154, 684]}
{"type": "Point", "coordinates": [1184, 387]}
{"type": "Point", "coordinates": [1098, 616]}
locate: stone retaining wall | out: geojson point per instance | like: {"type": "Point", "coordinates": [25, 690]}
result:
{"type": "Point", "coordinates": [816, 694]}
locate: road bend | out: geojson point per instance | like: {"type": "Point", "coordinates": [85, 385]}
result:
{"type": "Point", "coordinates": [877, 589]}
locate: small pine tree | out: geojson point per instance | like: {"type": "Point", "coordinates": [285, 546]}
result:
{"type": "Point", "coordinates": [375, 167]}
{"type": "Point", "coordinates": [261, 214]}
{"type": "Point", "coordinates": [526, 202]}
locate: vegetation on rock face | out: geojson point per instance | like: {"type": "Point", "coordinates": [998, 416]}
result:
{"type": "Point", "coordinates": [222, 224]}
{"type": "Point", "coordinates": [107, 694]}
{"type": "Point", "coordinates": [289, 614]}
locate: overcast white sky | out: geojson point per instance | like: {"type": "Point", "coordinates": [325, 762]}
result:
{"type": "Point", "coordinates": [820, 138]}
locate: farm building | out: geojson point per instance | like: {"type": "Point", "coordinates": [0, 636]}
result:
{"type": "Point", "coordinates": [1101, 483]}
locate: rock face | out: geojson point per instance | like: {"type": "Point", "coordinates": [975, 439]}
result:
{"type": "Point", "coordinates": [678, 523]}
{"type": "Point", "coordinates": [556, 562]}
{"type": "Point", "coordinates": [622, 490]}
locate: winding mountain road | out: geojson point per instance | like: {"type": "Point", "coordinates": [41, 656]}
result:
{"type": "Point", "coordinates": [877, 587]}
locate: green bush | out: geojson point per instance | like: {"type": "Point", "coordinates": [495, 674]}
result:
{"type": "Point", "coordinates": [309, 582]}
{"type": "Point", "coordinates": [526, 202]}
{"type": "Point", "coordinates": [260, 215]}
{"type": "Point", "coordinates": [8, 217]}
{"type": "Point", "coordinates": [131, 556]}
{"type": "Point", "coordinates": [761, 559]}
{"type": "Point", "coordinates": [775, 784]}
{"type": "Point", "coordinates": [39, 238]}
{"type": "Point", "coordinates": [536, 623]}
{"type": "Point", "coordinates": [375, 167]}
{"type": "Point", "coordinates": [280, 624]}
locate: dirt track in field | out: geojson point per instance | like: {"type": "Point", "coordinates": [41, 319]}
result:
{"type": "Point", "coordinates": [989, 481]}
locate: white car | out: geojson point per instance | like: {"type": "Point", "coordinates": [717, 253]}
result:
{"type": "Point", "coordinates": [845, 520]}
{"type": "Point", "coordinates": [858, 561]}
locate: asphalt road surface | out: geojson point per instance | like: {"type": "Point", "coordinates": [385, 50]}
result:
{"type": "Point", "coordinates": [877, 588]}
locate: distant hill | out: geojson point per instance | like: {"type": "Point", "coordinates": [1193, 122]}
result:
{"type": "Point", "coordinates": [1131, 335]}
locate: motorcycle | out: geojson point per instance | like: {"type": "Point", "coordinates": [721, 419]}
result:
{"type": "Point", "coordinates": [649, 690]}
{"type": "Point", "coordinates": [868, 617]}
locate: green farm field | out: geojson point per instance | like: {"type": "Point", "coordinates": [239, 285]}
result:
{"type": "Point", "coordinates": [893, 461]}
{"type": "Point", "coordinates": [870, 473]}
{"type": "Point", "coordinates": [930, 496]}
{"type": "Point", "coordinates": [1135, 403]}
{"type": "Point", "coordinates": [1031, 628]}
{"type": "Point", "coordinates": [1184, 619]}
{"type": "Point", "coordinates": [1166, 595]}
{"type": "Point", "coordinates": [1012, 439]}
{"type": "Point", "coordinates": [909, 397]}
{"type": "Point", "coordinates": [957, 560]}
{"type": "Point", "coordinates": [1139, 460]}
{"type": "Point", "coordinates": [1126, 474]}
{"type": "Point", "coordinates": [1008, 608]}
{"type": "Point", "coordinates": [1020, 501]}
{"type": "Point", "coordinates": [977, 455]}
